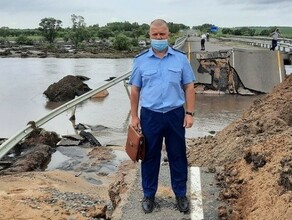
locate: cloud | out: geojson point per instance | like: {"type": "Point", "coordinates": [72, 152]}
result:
{"type": "Point", "coordinates": [257, 2]}
{"type": "Point", "coordinates": [270, 1]}
{"type": "Point", "coordinates": [28, 13]}
{"type": "Point", "coordinates": [259, 6]}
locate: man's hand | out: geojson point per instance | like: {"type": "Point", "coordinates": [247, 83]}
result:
{"type": "Point", "coordinates": [135, 122]}
{"type": "Point", "coordinates": [188, 121]}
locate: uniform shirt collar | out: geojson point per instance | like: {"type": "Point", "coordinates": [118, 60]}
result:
{"type": "Point", "coordinates": [169, 51]}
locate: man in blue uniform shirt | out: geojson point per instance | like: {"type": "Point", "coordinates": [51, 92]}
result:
{"type": "Point", "coordinates": [162, 81]}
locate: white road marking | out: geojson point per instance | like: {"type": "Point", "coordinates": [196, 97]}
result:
{"type": "Point", "coordinates": [197, 212]}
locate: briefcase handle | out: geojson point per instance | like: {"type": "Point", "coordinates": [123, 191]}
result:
{"type": "Point", "coordinates": [138, 130]}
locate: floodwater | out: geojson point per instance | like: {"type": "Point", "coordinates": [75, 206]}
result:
{"type": "Point", "coordinates": [23, 81]}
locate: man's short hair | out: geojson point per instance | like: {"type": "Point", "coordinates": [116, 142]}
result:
{"type": "Point", "coordinates": [158, 21]}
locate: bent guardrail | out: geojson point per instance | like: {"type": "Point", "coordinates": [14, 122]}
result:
{"type": "Point", "coordinates": [12, 141]}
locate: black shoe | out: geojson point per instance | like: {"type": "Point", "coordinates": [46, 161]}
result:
{"type": "Point", "coordinates": [148, 204]}
{"type": "Point", "coordinates": [182, 203]}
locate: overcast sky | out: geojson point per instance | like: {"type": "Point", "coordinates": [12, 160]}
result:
{"type": "Point", "coordinates": [223, 13]}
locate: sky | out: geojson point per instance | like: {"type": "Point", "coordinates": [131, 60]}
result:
{"type": "Point", "coordinates": [223, 13]}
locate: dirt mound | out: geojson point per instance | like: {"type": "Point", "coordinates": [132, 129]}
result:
{"type": "Point", "coordinates": [256, 153]}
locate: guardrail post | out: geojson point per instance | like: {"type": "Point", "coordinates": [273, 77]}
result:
{"type": "Point", "coordinates": [126, 84]}
{"type": "Point", "coordinates": [73, 113]}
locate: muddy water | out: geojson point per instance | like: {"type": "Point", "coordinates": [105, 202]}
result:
{"type": "Point", "coordinates": [214, 112]}
{"type": "Point", "coordinates": [24, 80]}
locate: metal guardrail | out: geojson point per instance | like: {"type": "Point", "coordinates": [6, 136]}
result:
{"type": "Point", "coordinates": [12, 141]}
{"type": "Point", "coordinates": [286, 40]}
{"type": "Point", "coordinates": [179, 43]}
{"type": "Point", "coordinates": [284, 44]}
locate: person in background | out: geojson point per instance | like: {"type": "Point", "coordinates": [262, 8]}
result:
{"type": "Point", "coordinates": [203, 40]}
{"type": "Point", "coordinates": [162, 83]}
{"type": "Point", "coordinates": [208, 36]}
{"type": "Point", "coordinates": [275, 35]}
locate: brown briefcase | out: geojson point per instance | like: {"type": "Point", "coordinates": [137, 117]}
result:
{"type": "Point", "coordinates": [135, 145]}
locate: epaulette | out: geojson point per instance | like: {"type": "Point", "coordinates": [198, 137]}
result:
{"type": "Point", "coordinates": [143, 52]}
{"type": "Point", "coordinates": [179, 50]}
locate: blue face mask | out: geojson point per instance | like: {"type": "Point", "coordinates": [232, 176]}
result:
{"type": "Point", "coordinates": [159, 45]}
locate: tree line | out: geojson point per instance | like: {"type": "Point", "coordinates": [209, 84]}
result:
{"type": "Point", "coordinates": [119, 35]}
{"type": "Point", "coordinates": [245, 31]}
{"type": "Point", "coordinates": [124, 35]}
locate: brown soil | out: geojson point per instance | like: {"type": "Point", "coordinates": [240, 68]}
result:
{"type": "Point", "coordinates": [254, 155]}
{"type": "Point", "coordinates": [64, 195]}
{"type": "Point", "coordinates": [255, 152]}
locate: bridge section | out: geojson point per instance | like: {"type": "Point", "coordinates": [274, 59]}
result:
{"type": "Point", "coordinates": [259, 69]}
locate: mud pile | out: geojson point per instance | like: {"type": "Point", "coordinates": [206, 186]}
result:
{"type": "Point", "coordinates": [67, 88]}
{"type": "Point", "coordinates": [255, 152]}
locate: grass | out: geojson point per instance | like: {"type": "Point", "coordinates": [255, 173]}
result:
{"type": "Point", "coordinates": [285, 31]}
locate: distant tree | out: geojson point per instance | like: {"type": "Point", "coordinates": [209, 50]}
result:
{"type": "Point", "coordinates": [66, 37]}
{"type": "Point", "coordinates": [24, 40]}
{"type": "Point", "coordinates": [122, 42]}
{"type": "Point", "coordinates": [93, 30]}
{"type": "Point", "coordinates": [145, 27]}
{"type": "Point", "coordinates": [104, 33]}
{"type": "Point", "coordinates": [79, 33]}
{"type": "Point", "coordinates": [237, 32]}
{"type": "Point", "coordinates": [134, 42]}
{"type": "Point", "coordinates": [49, 28]}
{"type": "Point", "coordinates": [227, 31]}
{"type": "Point", "coordinates": [173, 28]}
{"type": "Point", "coordinates": [204, 27]}
{"type": "Point", "coordinates": [4, 31]}
{"type": "Point", "coordinates": [95, 26]}
{"type": "Point", "coordinates": [2, 40]}
{"type": "Point", "coordinates": [264, 32]}
{"type": "Point", "coordinates": [127, 26]}
{"type": "Point", "coordinates": [115, 26]}
{"type": "Point", "coordinates": [272, 29]}
{"type": "Point", "coordinates": [245, 31]}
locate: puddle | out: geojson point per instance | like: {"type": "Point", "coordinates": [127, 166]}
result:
{"type": "Point", "coordinates": [121, 156]}
{"type": "Point", "coordinates": [76, 159]}
{"type": "Point", "coordinates": [94, 181]}
{"type": "Point", "coordinates": [57, 160]}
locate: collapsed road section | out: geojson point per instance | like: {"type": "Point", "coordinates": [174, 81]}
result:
{"type": "Point", "coordinates": [237, 71]}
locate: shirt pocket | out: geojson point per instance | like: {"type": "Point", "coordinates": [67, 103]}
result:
{"type": "Point", "coordinates": [150, 76]}
{"type": "Point", "coordinates": [174, 75]}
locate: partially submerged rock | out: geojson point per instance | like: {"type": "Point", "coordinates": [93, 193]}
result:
{"type": "Point", "coordinates": [66, 89]}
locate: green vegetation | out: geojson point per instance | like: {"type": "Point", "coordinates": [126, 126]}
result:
{"type": "Point", "coordinates": [256, 31]}
{"type": "Point", "coordinates": [115, 35]}
{"type": "Point", "coordinates": [24, 40]}
{"type": "Point", "coordinates": [121, 36]}
{"type": "Point", "coordinates": [49, 28]}
{"type": "Point", "coordinates": [79, 32]}
{"type": "Point", "coordinates": [204, 28]}
{"type": "Point", "coordinates": [245, 31]}
{"type": "Point", "coordinates": [122, 42]}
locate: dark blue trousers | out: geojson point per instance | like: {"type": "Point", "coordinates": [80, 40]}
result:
{"type": "Point", "coordinates": [156, 127]}
{"type": "Point", "coordinates": [274, 44]}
